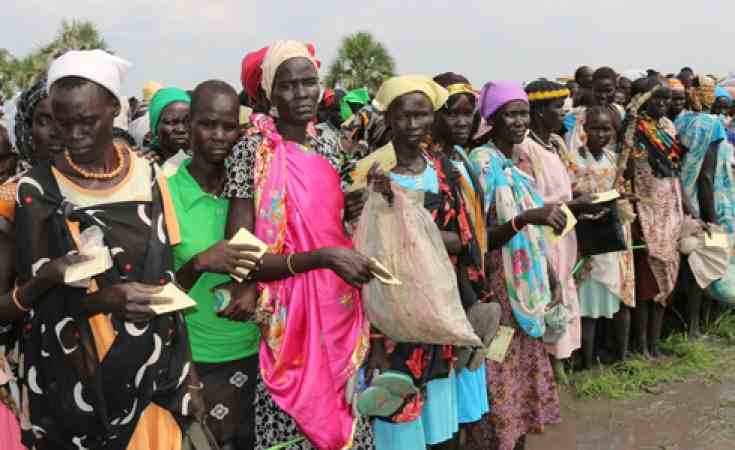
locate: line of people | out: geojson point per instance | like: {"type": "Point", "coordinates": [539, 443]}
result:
{"type": "Point", "coordinates": [286, 356]}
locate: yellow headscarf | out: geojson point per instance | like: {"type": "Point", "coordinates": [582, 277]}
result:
{"type": "Point", "coordinates": [150, 89]}
{"type": "Point", "coordinates": [395, 87]}
{"type": "Point", "coordinates": [279, 53]}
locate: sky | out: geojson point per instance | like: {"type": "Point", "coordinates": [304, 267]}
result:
{"type": "Point", "coordinates": [183, 42]}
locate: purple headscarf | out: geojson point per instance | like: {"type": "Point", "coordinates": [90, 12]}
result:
{"type": "Point", "coordinates": [495, 94]}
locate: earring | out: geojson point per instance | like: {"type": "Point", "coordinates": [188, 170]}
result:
{"type": "Point", "coordinates": [274, 112]}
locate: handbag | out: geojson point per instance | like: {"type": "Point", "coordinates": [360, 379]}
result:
{"type": "Point", "coordinates": [601, 232]}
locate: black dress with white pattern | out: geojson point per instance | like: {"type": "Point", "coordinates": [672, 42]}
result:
{"type": "Point", "coordinates": [76, 400]}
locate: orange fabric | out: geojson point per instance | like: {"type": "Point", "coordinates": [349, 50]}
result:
{"type": "Point", "coordinates": [7, 200]}
{"type": "Point", "coordinates": [169, 212]}
{"type": "Point", "coordinates": [156, 429]}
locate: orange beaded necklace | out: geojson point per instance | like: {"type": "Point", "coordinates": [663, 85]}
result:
{"type": "Point", "coordinates": [98, 176]}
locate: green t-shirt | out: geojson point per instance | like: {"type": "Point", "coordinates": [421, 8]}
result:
{"type": "Point", "coordinates": [202, 219]}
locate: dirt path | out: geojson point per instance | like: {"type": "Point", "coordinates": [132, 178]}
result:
{"type": "Point", "coordinates": [694, 415]}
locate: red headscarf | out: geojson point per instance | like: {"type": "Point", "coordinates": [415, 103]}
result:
{"type": "Point", "coordinates": [252, 73]}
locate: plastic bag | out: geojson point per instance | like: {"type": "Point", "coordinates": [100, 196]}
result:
{"type": "Point", "coordinates": [426, 307]}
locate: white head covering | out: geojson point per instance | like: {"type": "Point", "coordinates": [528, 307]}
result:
{"type": "Point", "coordinates": [634, 74]}
{"type": "Point", "coordinates": [95, 65]}
{"type": "Point", "coordinates": [279, 53]}
{"type": "Point", "coordinates": [123, 119]}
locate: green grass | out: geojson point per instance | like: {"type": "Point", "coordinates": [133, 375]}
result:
{"type": "Point", "coordinates": [635, 377]}
{"type": "Point", "coordinates": [724, 327]}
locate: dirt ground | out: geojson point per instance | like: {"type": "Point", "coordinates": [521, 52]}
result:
{"type": "Point", "coordinates": [698, 414]}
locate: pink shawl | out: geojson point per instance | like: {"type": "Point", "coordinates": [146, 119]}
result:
{"type": "Point", "coordinates": [554, 186]}
{"type": "Point", "coordinates": [316, 336]}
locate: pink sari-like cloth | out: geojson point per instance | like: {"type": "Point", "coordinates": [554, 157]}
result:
{"type": "Point", "coordinates": [317, 335]}
{"type": "Point", "coordinates": [554, 186]}
{"type": "Point", "coordinates": [9, 430]}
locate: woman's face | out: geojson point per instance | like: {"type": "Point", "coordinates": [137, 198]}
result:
{"type": "Point", "coordinates": [173, 128]}
{"type": "Point", "coordinates": [678, 102]}
{"type": "Point", "coordinates": [83, 116]}
{"type": "Point", "coordinates": [46, 141]}
{"type": "Point", "coordinates": [552, 114]}
{"type": "Point", "coordinates": [295, 91]}
{"type": "Point", "coordinates": [512, 121]}
{"type": "Point", "coordinates": [8, 159]}
{"type": "Point", "coordinates": [585, 77]}
{"type": "Point", "coordinates": [215, 127]}
{"type": "Point", "coordinates": [411, 117]}
{"type": "Point", "coordinates": [454, 123]}
{"type": "Point", "coordinates": [604, 91]}
{"type": "Point", "coordinates": [599, 129]}
{"type": "Point", "coordinates": [624, 85]}
{"type": "Point", "coordinates": [721, 106]}
{"type": "Point", "coordinates": [658, 105]}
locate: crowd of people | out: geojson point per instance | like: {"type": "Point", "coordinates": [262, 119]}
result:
{"type": "Point", "coordinates": [557, 204]}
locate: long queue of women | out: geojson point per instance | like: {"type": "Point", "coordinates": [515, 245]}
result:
{"type": "Point", "coordinates": [279, 351]}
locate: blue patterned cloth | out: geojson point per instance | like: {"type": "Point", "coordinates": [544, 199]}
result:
{"type": "Point", "coordinates": [697, 132]}
{"type": "Point", "coordinates": [512, 192]}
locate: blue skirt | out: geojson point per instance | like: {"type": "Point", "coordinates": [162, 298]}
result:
{"type": "Point", "coordinates": [438, 422]}
{"type": "Point", "coordinates": [472, 399]}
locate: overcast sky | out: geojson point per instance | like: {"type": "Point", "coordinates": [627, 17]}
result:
{"type": "Point", "coordinates": [183, 42]}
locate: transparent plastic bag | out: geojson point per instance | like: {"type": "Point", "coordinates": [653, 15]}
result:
{"type": "Point", "coordinates": [426, 306]}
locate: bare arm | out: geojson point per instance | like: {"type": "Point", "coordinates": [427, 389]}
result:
{"type": "Point", "coordinates": [706, 185]}
{"type": "Point", "coordinates": [348, 264]}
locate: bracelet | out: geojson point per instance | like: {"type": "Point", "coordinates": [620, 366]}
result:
{"type": "Point", "coordinates": [289, 264]}
{"type": "Point", "coordinates": [376, 336]}
{"type": "Point", "coordinates": [16, 302]}
{"type": "Point", "coordinates": [513, 224]}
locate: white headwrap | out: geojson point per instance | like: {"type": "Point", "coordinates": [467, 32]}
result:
{"type": "Point", "coordinates": [95, 65]}
{"type": "Point", "coordinates": [634, 74]}
{"type": "Point", "coordinates": [279, 53]}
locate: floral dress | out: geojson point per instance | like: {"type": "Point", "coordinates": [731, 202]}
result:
{"type": "Point", "coordinates": [522, 387]}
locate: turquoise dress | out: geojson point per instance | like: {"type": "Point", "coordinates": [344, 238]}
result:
{"type": "Point", "coordinates": [472, 399]}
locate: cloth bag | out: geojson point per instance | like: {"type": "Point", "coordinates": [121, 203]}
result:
{"type": "Point", "coordinates": [708, 264]}
{"type": "Point", "coordinates": [425, 307]}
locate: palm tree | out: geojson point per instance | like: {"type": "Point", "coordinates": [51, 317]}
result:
{"type": "Point", "coordinates": [21, 73]}
{"type": "Point", "coordinates": [361, 61]}
{"type": "Point", "coordinates": [7, 62]}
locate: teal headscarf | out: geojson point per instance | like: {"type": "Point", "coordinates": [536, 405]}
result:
{"type": "Point", "coordinates": [159, 102]}
{"type": "Point", "coordinates": [359, 96]}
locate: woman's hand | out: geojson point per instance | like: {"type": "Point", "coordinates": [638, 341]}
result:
{"type": "Point", "coordinates": [55, 270]}
{"type": "Point", "coordinates": [351, 266]}
{"type": "Point", "coordinates": [243, 303]}
{"type": "Point", "coordinates": [550, 215]}
{"type": "Point", "coordinates": [148, 154]}
{"type": "Point", "coordinates": [354, 203]}
{"type": "Point", "coordinates": [584, 204]}
{"type": "Point", "coordinates": [380, 182]}
{"type": "Point", "coordinates": [131, 301]}
{"type": "Point", "coordinates": [227, 258]}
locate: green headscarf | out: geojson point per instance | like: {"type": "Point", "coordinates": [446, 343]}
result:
{"type": "Point", "coordinates": [159, 102]}
{"type": "Point", "coordinates": [359, 96]}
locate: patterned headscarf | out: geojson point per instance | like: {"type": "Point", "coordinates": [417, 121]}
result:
{"type": "Point", "coordinates": [26, 107]}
